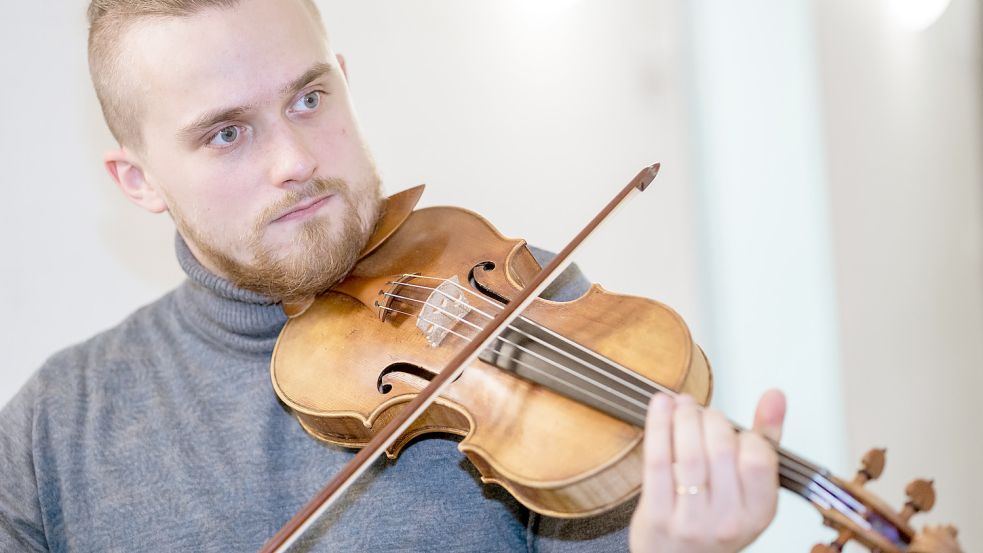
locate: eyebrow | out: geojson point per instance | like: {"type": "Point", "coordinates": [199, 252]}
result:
{"type": "Point", "coordinates": [316, 71]}
{"type": "Point", "coordinates": [209, 119]}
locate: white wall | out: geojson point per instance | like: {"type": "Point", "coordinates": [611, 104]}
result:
{"type": "Point", "coordinates": [535, 116]}
{"type": "Point", "coordinates": [903, 113]}
{"type": "Point", "coordinates": [767, 266]}
{"type": "Point", "coordinates": [77, 257]}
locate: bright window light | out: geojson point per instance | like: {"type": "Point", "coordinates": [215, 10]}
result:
{"type": "Point", "coordinates": [915, 15]}
{"type": "Point", "coordinates": [542, 9]}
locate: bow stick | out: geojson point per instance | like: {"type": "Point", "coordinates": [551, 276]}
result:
{"type": "Point", "coordinates": [301, 521]}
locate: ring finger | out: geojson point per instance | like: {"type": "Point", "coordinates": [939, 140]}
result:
{"type": "Point", "coordinates": [690, 466]}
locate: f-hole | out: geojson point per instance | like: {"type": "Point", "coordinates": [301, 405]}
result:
{"type": "Point", "coordinates": [406, 368]}
{"type": "Point", "coordinates": [485, 266]}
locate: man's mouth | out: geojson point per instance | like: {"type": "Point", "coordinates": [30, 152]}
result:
{"type": "Point", "coordinates": [303, 209]}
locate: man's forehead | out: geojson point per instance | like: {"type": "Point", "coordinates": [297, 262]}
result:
{"type": "Point", "coordinates": [223, 56]}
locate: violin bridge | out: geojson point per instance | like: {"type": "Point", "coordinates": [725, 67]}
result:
{"type": "Point", "coordinates": [444, 308]}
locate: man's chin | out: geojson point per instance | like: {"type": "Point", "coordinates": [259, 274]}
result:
{"type": "Point", "coordinates": [306, 267]}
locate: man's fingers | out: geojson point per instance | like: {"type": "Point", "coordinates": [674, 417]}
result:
{"type": "Point", "coordinates": [770, 415]}
{"type": "Point", "coordinates": [657, 486]}
{"type": "Point", "coordinates": [706, 485]}
{"type": "Point", "coordinates": [690, 469]}
{"type": "Point", "coordinates": [724, 488]}
{"type": "Point", "coordinates": [758, 468]}
{"type": "Point", "coordinates": [758, 460]}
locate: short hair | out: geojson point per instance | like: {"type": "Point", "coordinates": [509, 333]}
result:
{"type": "Point", "coordinates": [108, 22]}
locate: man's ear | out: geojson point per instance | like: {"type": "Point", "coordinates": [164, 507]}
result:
{"type": "Point", "coordinates": [125, 170]}
{"type": "Point", "coordinates": [344, 68]}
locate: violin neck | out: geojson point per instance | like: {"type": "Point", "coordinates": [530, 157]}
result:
{"type": "Point", "coordinates": [535, 353]}
{"type": "Point", "coordinates": [812, 482]}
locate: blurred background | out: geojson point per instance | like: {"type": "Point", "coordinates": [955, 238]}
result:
{"type": "Point", "coordinates": [818, 220]}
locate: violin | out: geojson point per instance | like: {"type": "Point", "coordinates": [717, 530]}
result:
{"type": "Point", "coordinates": [552, 404]}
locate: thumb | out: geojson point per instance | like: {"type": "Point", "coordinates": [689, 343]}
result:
{"type": "Point", "coordinates": [770, 415]}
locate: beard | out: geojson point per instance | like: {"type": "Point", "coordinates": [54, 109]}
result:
{"type": "Point", "coordinates": [325, 250]}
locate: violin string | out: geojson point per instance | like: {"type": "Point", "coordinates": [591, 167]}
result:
{"type": "Point", "coordinates": [625, 371]}
{"type": "Point", "coordinates": [797, 475]}
{"type": "Point", "coordinates": [783, 453]}
{"type": "Point", "coordinates": [819, 485]}
{"type": "Point", "coordinates": [448, 281]}
{"type": "Point", "coordinates": [812, 491]}
{"type": "Point", "coordinates": [628, 374]}
{"type": "Point", "coordinates": [429, 322]}
{"type": "Point", "coordinates": [822, 476]}
{"type": "Point", "coordinates": [655, 385]}
{"type": "Point", "coordinates": [615, 405]}
{"type": "Point", "coordinates": [519, 347]}
{"type": "Point", "coordinates": [438, 308]}
{"type": "Point", "coordinates": [445, 294]}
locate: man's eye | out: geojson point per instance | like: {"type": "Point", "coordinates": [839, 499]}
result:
{"type": "Point", "coordinates": [308, 102]}
{"type": "Point", "coordinates": [225, 137]}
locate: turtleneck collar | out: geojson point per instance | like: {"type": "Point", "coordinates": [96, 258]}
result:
{"type": "Point", "coordinates": [241, 320]}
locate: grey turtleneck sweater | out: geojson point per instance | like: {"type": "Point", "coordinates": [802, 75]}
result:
{"type": "Point", "coordinates": [163, 434]}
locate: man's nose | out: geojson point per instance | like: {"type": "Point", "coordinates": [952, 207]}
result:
{"type": "Point", "coordinates": [293, 161]}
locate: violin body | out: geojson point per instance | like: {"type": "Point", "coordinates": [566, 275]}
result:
{"type": "Point", "coordinates": [362, 350]}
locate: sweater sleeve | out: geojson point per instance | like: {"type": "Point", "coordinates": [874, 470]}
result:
{"type": "Point", "coordinates": [21, 522]}
{"type": "Point", "coordinates": [607, 532]}
{"type": "Point", "coordinates": [568, 285]}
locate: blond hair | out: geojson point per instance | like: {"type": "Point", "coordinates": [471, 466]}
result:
{"type": "Point", "coordinates": [108, 22]}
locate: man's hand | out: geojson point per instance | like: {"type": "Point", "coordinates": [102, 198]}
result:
{"type": "Point", "coordinates": [706, 488]}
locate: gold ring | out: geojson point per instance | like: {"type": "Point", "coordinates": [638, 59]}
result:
{"type": "Point", "coordinates": [690, 490]}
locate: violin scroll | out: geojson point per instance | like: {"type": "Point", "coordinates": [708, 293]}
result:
{"type": "Point", "coordinates": [879, 527]}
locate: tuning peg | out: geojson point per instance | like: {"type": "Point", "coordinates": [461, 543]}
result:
{"type": "Point", "coordinates": [871, 466]}
{"type": "Point", "coordinates": [921, 498]}
{"type": "Point", "coordinates": [935, 539]}
{"type": "Point", "coordinates": [834, 546]}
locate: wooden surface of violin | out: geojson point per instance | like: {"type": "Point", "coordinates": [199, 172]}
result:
{"type": "Point", "coordinates": [361, 351]}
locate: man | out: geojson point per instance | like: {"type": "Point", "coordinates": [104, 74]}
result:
{"type": "Point", "coordinates": [163, 434]}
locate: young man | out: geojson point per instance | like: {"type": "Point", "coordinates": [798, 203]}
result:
{"type": "Point", "coordinates": [163, 434]}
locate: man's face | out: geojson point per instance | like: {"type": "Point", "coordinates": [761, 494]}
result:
{"type": "Point", "coordinates": [251, 141]}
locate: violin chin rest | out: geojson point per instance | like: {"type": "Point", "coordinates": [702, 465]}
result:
{"type": "Point", "coordinates": [395, 210]}
{"type": "Point", "coordinates": [297, 308]}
